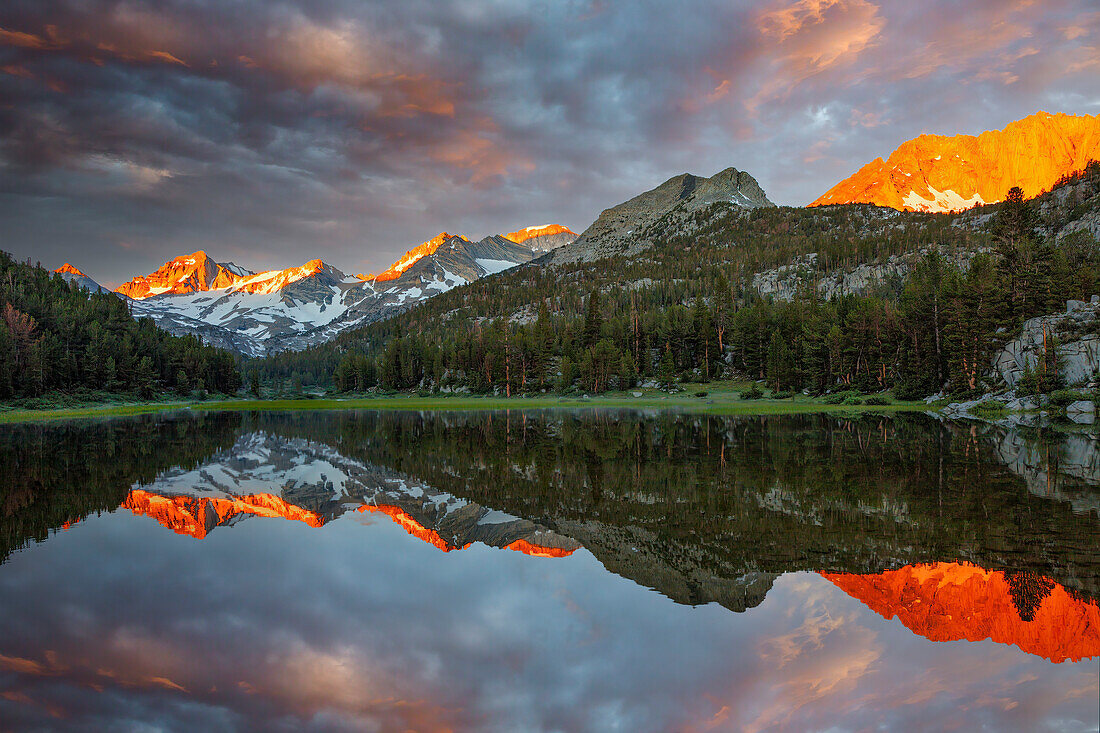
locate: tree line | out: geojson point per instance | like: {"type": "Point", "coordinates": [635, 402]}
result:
{"type": "Point", "coordinates": [936, 328]}
{"type": "Point", "coordinates": [56, 336]}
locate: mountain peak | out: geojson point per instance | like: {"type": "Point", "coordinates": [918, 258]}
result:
{"type": "Point", "coordinates": [411, 257]}
{"type": "Point", "coordinates": [196, 272]}
{"type": "Point", "coordinates": [69, 270]}
{"type": "Point", "coordinates": [624, 225]}
{"type": "Point", "coordinates": [942, 173]}
{"type": "Point", "coordinates": [542, 230]}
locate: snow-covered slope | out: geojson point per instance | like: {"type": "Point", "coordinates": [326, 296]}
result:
{"type": "Point", "coordinates": [256, 314]}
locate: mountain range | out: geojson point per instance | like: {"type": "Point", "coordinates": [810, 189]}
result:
{"type": "Point", "coordinates": [259, 313]}
{"type": "Point", "coordinates": [262, 313]}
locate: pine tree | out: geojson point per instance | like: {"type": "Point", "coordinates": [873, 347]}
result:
{"type": "Point", "coordinates": [667, 370]}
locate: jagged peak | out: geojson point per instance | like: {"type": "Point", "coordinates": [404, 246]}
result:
{"type": "Point", "coordinates": [940, 173]}
{"type": "Point", "coordinates": [543, 230]}
{"type": "Point", "coordinates": [68, 269]}
{"type": "Point", "coordinates": [411, 257]}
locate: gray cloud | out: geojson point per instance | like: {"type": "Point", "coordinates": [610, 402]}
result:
{"type": "Point", "coordinates": [270, 133]}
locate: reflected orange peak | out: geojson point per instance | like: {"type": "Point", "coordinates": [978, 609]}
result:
{"type": "Point", "coordinates": [196, 516]}
{"type": "Point", "coordinates": [413, 527]}
{"type": "Point", "coordinates": [948, 601]}
{"type": "Point", "coordinates": [529, 548]}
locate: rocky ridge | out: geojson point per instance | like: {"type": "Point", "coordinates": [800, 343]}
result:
{"type": "Point", "coordinates": [941, 173]}
{"type": "Point", "coordinates": [622, 228]}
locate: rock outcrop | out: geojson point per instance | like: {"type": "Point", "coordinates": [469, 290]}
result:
{"type": "Point", "coordinates": [944, 173]}
{"type": "Point", "coordinates": [1078, 345]}
{"type": "Point", "coordinates": [784, 282]}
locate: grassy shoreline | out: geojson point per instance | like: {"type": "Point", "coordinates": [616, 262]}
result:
{"type": "Point", "coordinates": [722, 401]}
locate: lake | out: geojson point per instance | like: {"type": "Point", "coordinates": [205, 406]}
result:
{"type": "Point", "coordinates": [547, 571]}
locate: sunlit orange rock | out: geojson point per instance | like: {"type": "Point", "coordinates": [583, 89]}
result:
{"type": "Point", "coordinates": [196, 516]}
{"type": "Point", "coordinates": [191, 273]}
{"type": "Point", "coordinates": [945, 173]}
{"type": "Point", "coordinates": [272, 281]}
{"type": "Point", "coordinates": [70, 270]}
{"type": "Point", "coordinates": [538, 231]}
{"type": "Point", "coordinates": [411, 257]}
{"type": "Point", "coordinates": [196, 273]}
{"type": "Point", "coordinates": [954, 601]}
{"type": "Point", "coordinates": [528, 548]}
{"type": "Point", "coordinates": [413, 527]}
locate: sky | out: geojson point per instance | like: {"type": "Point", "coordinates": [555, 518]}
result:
{"type": "Point", "coordinates": [271, 132]}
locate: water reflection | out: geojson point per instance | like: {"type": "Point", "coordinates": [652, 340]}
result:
{"type": "Point", "coordinates": [945, 533]}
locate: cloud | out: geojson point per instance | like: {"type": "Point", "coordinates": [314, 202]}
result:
{"type": "Point", "coordinates": [355, 130]}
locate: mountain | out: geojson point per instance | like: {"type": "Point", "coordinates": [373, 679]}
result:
{"type": "Point", "coordinates": [411, 257]}
{"type": "Point", "coordinates": [191, 273]}
{"type": "Point", "coordinates": [72, 275]}
{"type": "Point", "coordinates": [622, 228]}
{"type": "Point", "coordinates": [543, 238]}
{"type": "Point", "coordinates": [259, 313]}
{"type": "Point", "coordinates": [941, 173]}
{"type": "Point", "coordinates": [254, 312]}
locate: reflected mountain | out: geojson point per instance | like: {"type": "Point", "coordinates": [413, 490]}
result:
{"type": "Point", "coordinates": [52, 475]}
{"type": "Point", "coordinates": [959, 532]}
{"type": "Point", "coordinates": [954, 601]}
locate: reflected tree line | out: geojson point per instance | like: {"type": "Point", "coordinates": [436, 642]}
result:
{"type": "Point", "coordinates": [657, 495]}
{"type": "Point", "coordinates": [56, 474]}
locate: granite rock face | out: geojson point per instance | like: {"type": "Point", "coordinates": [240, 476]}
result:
{"type": "Point", "coordinates": [944, 173]}
{"type": "Point", "coordinates": [785, 281]}
{"type": "Point", "coordinates": [1078, 345]}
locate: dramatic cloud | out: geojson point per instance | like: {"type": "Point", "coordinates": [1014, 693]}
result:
{"type": "Point", "coordinates": [269, 133]}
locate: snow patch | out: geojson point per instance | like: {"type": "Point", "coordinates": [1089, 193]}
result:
{"type": "Point", "coordinates": [492, 267]}
{"type": "Point", "coordinates": [941, 201]}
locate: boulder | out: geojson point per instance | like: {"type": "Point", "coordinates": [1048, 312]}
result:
{"type": "Point", "coordinates": [1081, 407]}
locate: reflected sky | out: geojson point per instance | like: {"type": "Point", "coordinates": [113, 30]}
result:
{"type": "Point", "coordinates": [268, 624]}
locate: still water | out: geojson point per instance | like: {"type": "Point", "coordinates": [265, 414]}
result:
{"type": "Point", "coordinates": [547, 571]}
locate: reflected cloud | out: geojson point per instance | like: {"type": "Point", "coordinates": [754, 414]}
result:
{"type": "Point", "coordinates": [324, 622]}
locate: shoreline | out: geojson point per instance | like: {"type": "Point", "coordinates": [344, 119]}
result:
{"type": "Point", "coordinates": [720, 403]}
